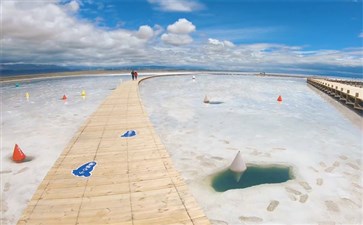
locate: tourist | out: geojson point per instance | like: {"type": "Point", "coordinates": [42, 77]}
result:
{"type": "Point", "coordinates": [133, 75]}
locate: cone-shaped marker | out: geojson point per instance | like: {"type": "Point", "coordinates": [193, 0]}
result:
{"type": "Point", "coordinates": [64, 97]}
{"type": "Point", "coordinates": [206, 100]}
{"type": "Point", "coordinates": [18, 155]}
{"type": "Point", "coordinates": [83, 93]}
{"type": "Point", "coordinates": [238, 166]}
{"type": "Point", "coordinates": [279, 99]}
{"type": "Point", "coordinates": [27, 95]}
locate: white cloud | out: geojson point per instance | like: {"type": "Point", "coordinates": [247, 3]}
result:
{"type": "Point", "coordinates": [145, 32]}
{"type": "Point", "coordinates": [73, 6]}
{"type": "Point", "coordinates": [242, 34]}
{"type": "Point", "coordinates": [220, 43]}
{"type": "Point", "coordinates": [361, 35]}
{"type": "Point", "coordinates": [178, 33]}
{"type": "Point", "coordinates": [182, 26]}
{"type": "Point", "coordinates": [177, 5]}
{"type": "Point", "coordinates": [256, 57]}
{"type": "Point", "coordinates": [176, 39]}
{"type": "Point", "coordinates": [46, 32]}
{"type": "Point", "coordinates": [49, 32]}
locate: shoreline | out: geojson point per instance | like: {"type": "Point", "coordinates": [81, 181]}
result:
{"type": "Point", "coordinates": [22, 77]}
{"type": "Point", "coordinates": [39, 76]}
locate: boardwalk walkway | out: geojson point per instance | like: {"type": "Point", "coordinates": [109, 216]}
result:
{"type": "Point", "coordinates": [134, 181]}
{"type": "Point", "coordinates": [350, 93]}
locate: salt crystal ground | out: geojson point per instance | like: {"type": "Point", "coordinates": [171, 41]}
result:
{"type": "Point", "coordinates": [42, 126]}
{"type": "Point", "coordinates": [315, 135]}
{"type": "Point", "coordinates": [318, 137]}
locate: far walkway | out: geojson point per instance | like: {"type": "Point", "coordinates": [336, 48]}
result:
{"type": "Point", "coordinates": [133, 183]}
{"type": "Point", "coordinates": [348, 92]}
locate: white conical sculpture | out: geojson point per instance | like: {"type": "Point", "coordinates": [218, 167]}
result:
{"type": "Point", "coordinates": [206, 100]}
{"type": "Point", "coordinates": [238, 166]}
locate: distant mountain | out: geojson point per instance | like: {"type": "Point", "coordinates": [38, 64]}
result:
{"type": "Point", "coordinates": [316, 69]}
{"type": "Point", "coordinates": [23, 69]}
{"type": "Point", "coordinates": [153, 67]}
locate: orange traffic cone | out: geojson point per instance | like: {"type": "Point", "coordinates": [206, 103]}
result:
{"type": "Point", "coordinates": [18, 155]}
{"type": "Point", "coordinates": [64, 97]}
{"type": "Point", "coordinates": [279, 99]}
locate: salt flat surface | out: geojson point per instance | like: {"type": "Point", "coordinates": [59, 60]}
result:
{"type": "Point", "coordinates": [42, 127]}
{"type": "Point", "coordinates": [321, 139]}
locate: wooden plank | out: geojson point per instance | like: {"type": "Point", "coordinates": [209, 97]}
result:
{"type": "Point", "coordinates": [133, 182]}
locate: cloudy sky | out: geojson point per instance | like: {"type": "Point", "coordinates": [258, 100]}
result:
{"type": "Point", "coordinates": [268, 35]}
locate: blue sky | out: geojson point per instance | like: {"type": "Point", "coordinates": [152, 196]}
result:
{"type": "Point", "coordinates": [286, 35]}
{"type": "Point", "coordinates": [316, 24]}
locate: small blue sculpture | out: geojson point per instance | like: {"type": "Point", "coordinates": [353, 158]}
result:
{"type": "Point", "coordinates": [84, 170]}
{"type": "Point", "coordinates": [129, 133]}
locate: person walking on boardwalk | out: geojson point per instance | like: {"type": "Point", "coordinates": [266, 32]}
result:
{"type": "Point", "coordinates": [133, 74]}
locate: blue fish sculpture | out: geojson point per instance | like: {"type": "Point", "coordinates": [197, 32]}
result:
{"type": "Point", "coordinates": [129, 133]}
{"type": "Point", "coordinates": [85, 170]}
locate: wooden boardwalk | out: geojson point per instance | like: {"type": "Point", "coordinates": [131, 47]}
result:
{"type": "Point", "coordinates": [349, 93]}
{"type": "Point", "coordinates": [133, 183]}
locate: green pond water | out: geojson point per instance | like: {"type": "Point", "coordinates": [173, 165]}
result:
{"type": "Point", "coordinates": [253, 176]}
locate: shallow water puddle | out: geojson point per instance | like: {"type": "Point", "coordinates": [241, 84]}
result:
{"type": "Point", "coordinates": [253, 176]}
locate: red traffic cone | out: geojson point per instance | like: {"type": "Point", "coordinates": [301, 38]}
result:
{"type": "Point", "coordinates": [18, 155]}
{"type": "Point", "coordinates": [279, 99]}
{"type": "Point", "coordinates": [64, 97]}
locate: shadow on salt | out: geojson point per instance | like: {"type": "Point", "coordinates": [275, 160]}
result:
{"type": "Point", "coordinates": [215, 102]}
